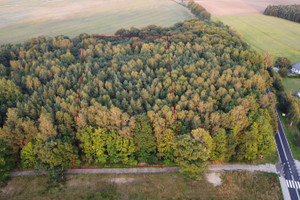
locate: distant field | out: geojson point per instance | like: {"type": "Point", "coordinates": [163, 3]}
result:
{"type": "Point", "coordinates": [20, 20]}
{"type": "Point", "coordinates": [238, 7]}
{"type": "Point", "coordinates": [265, 33]}
{"type": "Point", "coordinates": [236, 185]}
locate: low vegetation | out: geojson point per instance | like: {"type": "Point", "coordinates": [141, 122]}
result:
{"type": "Point", "coordinates": [292, 134]}
{"type": "Point", "coordinates": [292, 85]}
{"type": "Point", "coordinates": [284, 66]}
{"type": "Point", "coordinates": [292, 130]}
{"type": "Point", "coordinates": [22, 20]}
{"type": "Point", "coordinates": [288, 103]}
{"type": "Point", "coordinates": [266, 33]}
{"type": "Point", "coordinates": [235, 185]}
{"type": "Point", "coordinates": [289, 12]}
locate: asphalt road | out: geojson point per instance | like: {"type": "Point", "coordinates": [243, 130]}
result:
{"type": "Point", "coordinates": [289, 170]}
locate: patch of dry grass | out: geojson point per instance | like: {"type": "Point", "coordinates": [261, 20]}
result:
{"type": "Point", "coordinates": [240, 7]}
{"type": "Point", "coordinates": [235, 185]}
{"type": "Point", "coordinates": [20, 20]}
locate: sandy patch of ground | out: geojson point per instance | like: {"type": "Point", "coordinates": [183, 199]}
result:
{"type": "Point", "coordinates": [214, 178]}
{"type": "Point", "coordinates": [239, 7]}
{"type": "Point", "coordinates": [76, 182]}
{"type": "Point", "coordinates": [227, 7]}
{"type": "Point", "coordinates": [8, 189]}
{"type": "Point", "coordinates": [121, 180]}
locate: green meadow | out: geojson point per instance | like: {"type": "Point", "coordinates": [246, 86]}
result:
{"type": "Point", "coordinates": [265, 33]}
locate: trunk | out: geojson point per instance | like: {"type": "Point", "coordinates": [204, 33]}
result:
{"type": "Point", "coordinates": [62, 173]}
{"type": "Point", "coordinates": [291, 124]}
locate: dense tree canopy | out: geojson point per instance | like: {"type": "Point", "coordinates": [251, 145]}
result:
{"type": "Point", "coordinates": [126, 112]}
{"type": "Point", "coordinates": [198, 10]}
{"type": "Point", "coordinates": [289, 12]}
{"type": "Point", "coordinates": [7, 161]}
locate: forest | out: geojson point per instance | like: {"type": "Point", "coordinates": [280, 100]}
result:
{"type": "Point", "coordinates": [289, 12]}
{"type": "Point", "coordinates": [126, 114]}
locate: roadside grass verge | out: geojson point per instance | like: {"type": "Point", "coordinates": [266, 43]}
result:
{"type": "Point", "coordinates": [290, 131]}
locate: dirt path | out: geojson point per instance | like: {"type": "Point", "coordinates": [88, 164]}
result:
{"type": "Point", "coordinates": [265, 168]}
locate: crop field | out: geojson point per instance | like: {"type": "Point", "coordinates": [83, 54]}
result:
{"type": "Point", "coordinates": [265, 33]}
{"type": "Point", "coordinates": [20, 20]}
{"type": "Point", "coordinates": [234, 185]}
{"type": "Point", "coordinates": [238, 7]}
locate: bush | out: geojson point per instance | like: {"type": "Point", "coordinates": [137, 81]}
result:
{"type": "Point", "coordinates": [152, 160]}
{"type": "Point", "coordinates": [282, 62]}
{"type": "Point", "coordinates": [277, 84]}
{"type": "Point", "coordinates": [297, 139]}
{"type": "Point", "coordinates": [7, 161]}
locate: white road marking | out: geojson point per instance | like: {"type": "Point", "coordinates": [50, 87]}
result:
{"type": "Point", "coordinates": [296, 185]}
{"type": "Point", "coordinates": [293, 184]}
{"type": "Point", "coordinates": [290, 183]}
{"type": "Point", "coordinates": [287, 182]}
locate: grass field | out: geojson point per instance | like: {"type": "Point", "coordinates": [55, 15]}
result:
{"type": "Point", "coordinates": [292, 84]}
{"type": "Point", "coordinates": [236, 185]}
{"type": "Point", "coordinates": [20, 20]}
{"type": "Point", "coordinates": [265, 33]}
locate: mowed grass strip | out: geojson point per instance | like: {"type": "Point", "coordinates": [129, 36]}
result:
{"type": "Point", "coordinates": [265, 33]}
{"type": "Point", "coordinates": [236, 185]}
{"type": "Point", "coordinates": [106, 17]}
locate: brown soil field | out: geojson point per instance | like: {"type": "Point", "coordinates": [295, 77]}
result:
{"type": "Point", "coordinates": [239, 7]}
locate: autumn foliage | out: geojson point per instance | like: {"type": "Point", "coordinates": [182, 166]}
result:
{"type": "Point", "coordinates": [126, 112]}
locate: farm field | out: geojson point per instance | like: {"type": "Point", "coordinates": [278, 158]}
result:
{"type": "Point", "coordinates": [265, 33]}
{"type": "Point", "coordinates": [236, 185]}
{"type": "Point", "coordinates": [20, 20]}
{"type": "Point", "coordinates": [238, 7]}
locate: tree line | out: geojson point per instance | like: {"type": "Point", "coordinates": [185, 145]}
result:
{"type": "Point", "coordinates": [289, 12]}
{"type": "Point", "coordinates": [198, 10]}
{"type": "Point", "coordinates": [287, 102]}
{"type": "Point", "coordinates": [126, 114]}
